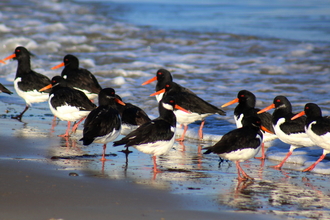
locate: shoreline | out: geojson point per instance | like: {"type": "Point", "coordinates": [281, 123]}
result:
{"type": "Point", "coordinates": [34, 186]}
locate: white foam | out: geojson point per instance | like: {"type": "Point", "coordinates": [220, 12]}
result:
{"type": "Point", "coordinates": [4, 28]}
{"type": "Point", "coordinates": [119, 80]}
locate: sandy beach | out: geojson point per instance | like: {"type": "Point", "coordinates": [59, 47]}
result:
{"type": "Point", "coordinates": [34, 186]}
{"type": "Point", "coordinates": [213, 48]}
{"type": "Point", "coordinates": [44, 176]}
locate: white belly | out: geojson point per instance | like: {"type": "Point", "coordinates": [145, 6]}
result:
{"type": "Point", "coordinates": [33, 96]}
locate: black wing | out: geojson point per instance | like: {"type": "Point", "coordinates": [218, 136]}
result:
{"type": "Point", "coordinates": [236, 139]}
{"type": "Point", "coordinates": [72, 97]}
{"type": "Point", "coordinates": [194, 103]}
{"type": "Point", "coordinates": [33, 81]}
{"type": "Point", "coordinates": [101, 121]}
{"type": "Point", "coordinates": [83, 79]}
{"type": "Point", "coordinates": [134, 115]}
{"type": "Point", "coordinates": [149, 132]}
{"type": "Point", "coordinates": [4, 89]}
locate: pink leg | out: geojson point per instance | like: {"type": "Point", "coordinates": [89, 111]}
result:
{"type": "Point", "coordinates": [314, 164]}
{"type": "Point", "coordinates": [103, 155]}
{"type": "Point", "coordinates": [67, 131]}
{"type": "Point", "coordinates": [183, 134]}
{"type": "Point", "coordinates": [19, 117]}
{"type": "Point", "coordinates": [53, 124]}
{"type": "Point", "coordinates": [242, 171]}
{"type": "Point", "coordinates": [279, 166]}
{"type": "Point", "coordinates": [74, 128]}
{"type": "Point", "coordinates": [239, 177]}
{"type": "Point", "coordinates": [154, 158]}
{"type": "Point", "coordinates": [262, 152]}
{"type": "Point", "coordinates": [200, 131]}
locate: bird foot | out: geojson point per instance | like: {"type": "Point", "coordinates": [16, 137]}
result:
{"type": "Point", "coordinates": [277, 167]}
{"type": "Point", "coordinates": [180, 139]}
{"type": "Point", "coordinates": [105, 159]}
{"type": "Point", "coordinates": [18, 117]}
{"type": "Point", "coordinates": [260, 158]}
{"type": "Point", "coordinates": [63, 135]}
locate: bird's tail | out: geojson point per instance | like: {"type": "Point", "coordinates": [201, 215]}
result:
{"type": "Point", "coordinates": [87, 141]}
{"type": "Point", "coordinates": [209, 150]}
{"type": "Point", "coordinates": [120, 142]}
{"type": "Point", "coordinates": [221, 112]}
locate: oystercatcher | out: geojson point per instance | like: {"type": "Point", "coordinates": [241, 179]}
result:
{"type": "Point", "coordinates": [317, 128]}
{"type": "Point", "coordinates": [68, 104]}
{"type": "Point", "coordinates": [103, 124]}
{"type": "Point", "coordinates": [164, 76]}
{"type": "Point", "coordinates": [4, 89]}
{"type": "Point", "coordinates": [27, 82]}
{"type": "Point", "coordinates": [288, 131]}
{"type": "Point", "coordinates": [79, 78]}
{"type": "Point", "coordinates": [199, 108]}
{"type": "Point", "coordinates": [240, 144]}
{"type": "Point", "coordinates": [246, 107]}
{"type": "Point", "coordinates": [132, 116]}
{"type": "Point", "coordinates": [157, 136]}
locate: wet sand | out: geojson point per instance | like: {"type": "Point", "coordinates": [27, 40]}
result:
{"type": "Point", "coordinates": [34, 186]}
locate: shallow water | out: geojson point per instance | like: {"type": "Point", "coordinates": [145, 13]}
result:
{"type": "Point", "coordinates": [272, 53]}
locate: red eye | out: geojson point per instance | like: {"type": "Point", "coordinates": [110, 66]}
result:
{"type": "Point", "coordinates": [278, 100]}
{"type": "Point", "coordinates": [242, 95]}
{"type": "Point", "coordinates": [159, 73]}
{"type": "Point", "coordinates": [167, 86]}
{"type": "Point", "coordinates": [18, 51]}
{"type": "Point", "coordinates": [66, 60]}
{"type": "Point", "coordinates": [171, 101]}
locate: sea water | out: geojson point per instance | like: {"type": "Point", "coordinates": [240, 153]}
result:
{"type": "Point", "coordinates": [215, 48]}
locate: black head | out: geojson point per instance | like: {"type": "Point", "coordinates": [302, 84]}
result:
{"type": "Point", "coordinates": [71, 60]}
{"type": "Point", "coordinates": [21, 52]}
{"type": "Point", "coordinates": [312, 110]}
{"type": "Point", "coordinates": [171, 86]}
{"type": "Point", "coordinates": [282, 102]}
{"type": "Point", "coordinates": [245, 96]}
{"type": "Point", "coordinates": [58, 80]}
{"type": "Point", "coordinates": [251, 121]}
{"type": "Point", "coordinates": [164, 75]}
{"type": "Point", "coordinates": [107, 96]}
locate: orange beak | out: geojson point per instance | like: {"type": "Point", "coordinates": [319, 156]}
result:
{"type": "Point", "coordinates": [298, 115]}
{"type": "Point", "coordinates": [266, 109]}
{"type": "Point", "coordinates": [182, 109]}
{"type": "Point", "coordinates": [120, 102]}
{"type": "Point", "coordinates": [8, 58]}
{"type": "Point", "coordinates": [45, 88]}
{"type": "Point", "coordinates": [58, 66]}
{"type": "Point", "coordinates": [150, 81]}
{"type": "Point", "coordinates": [230, 103]}
{"type": "Point", "coordinates": [158, 92]}
{"type": "Point", "coordinates": [266, 130]}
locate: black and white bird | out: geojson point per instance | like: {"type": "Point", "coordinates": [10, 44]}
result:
{"type": "Point", "coordinates": [317, 128]}
{"type": "Point", "coordinates": [289, 131]}
{"type": "Point", "coordinates": [164, 76]}
{"type": "Point", "coordinates": [103, 124]}
{"type": "Point", "coordinates": [132, 116]}
{"type": "Point", "coordinates": [247, 107]}
{"type": "Point", "coordinates": [199, 109]}
{"type": "Point", "coordinates": [68, 104]}
{"type": "Point", "coordinates": [27, 82]}
{"type": "Point", "coordinates": [240, 144]}
{"type": "Point", "coordinates": [79, 78]}
{"type": "Point", "coordinates": [4, 89]}
{"type": "Point", "coordinates": [157, 136]}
